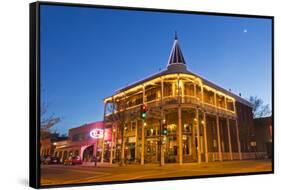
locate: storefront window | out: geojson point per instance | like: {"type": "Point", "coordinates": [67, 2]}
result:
{"type": "Point", "coordinates": [172, 128]}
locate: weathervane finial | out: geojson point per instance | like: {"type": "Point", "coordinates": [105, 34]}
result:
{"type": "Point", "coordinates": [176, 35]}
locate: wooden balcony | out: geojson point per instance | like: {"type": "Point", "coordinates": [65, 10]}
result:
{"type": "Point", "coordinates": [188, 101]}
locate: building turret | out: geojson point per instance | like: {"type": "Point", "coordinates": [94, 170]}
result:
{"type": "Point", "coordinates": [176, 59]}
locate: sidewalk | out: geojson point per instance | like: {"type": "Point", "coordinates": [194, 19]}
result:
{"type": "Point", "coordinates": [156, 165]}
{"type": "Point", "coordinates": [99, 164]}
{"type": "Point", "coordinates": [166, 165]}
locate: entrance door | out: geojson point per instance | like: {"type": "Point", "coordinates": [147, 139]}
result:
{"type": "Point", "coordinates": [132, 151]}
{"type": "Point", "coordinates": [88, 154]}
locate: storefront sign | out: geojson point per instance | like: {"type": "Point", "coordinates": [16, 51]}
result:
{"type": "Point", "coordinates": [96, 133]}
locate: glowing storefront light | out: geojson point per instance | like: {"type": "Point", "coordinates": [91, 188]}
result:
{"type": "Point", "coordinates": [96, 133]}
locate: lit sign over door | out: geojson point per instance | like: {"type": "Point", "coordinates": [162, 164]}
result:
{"type": "Point", "coordinates": [96, 133]}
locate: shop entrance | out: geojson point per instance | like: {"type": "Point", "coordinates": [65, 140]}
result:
{"type": "Point", "coordinates": [88, 154]}
{"type": "Point", "coordinates": [152, 152]}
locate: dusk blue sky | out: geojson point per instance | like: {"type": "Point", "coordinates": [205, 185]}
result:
{"type": "Point", "coordinates": [88, 53]}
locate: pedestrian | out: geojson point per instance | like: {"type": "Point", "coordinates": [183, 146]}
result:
{"type": "Point", "coordinates": [128, 158]}
{"type": "Point", "coordinates": [95, 160]}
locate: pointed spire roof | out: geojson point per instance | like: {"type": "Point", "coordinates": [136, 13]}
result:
{"type": "Point", "coordinates": [176, 56]}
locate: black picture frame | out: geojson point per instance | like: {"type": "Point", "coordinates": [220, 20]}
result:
{"type": "Point", "coordinates": [34, 91]}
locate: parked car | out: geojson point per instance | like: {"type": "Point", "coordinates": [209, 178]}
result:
{"type": "Point", "coordinates": [55, 160]}
{"type": "Point", "coordinates": [73, 160]}
{"type": "Point", "coordinates": [42, 158]}
{"type": "Point", "coordinates": [45, 159]}
{"type": "Point", "coordinates": [50, 160]}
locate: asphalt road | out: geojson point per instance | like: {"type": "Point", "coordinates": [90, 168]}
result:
{"type": "Point", "coordinates": [59, 174]}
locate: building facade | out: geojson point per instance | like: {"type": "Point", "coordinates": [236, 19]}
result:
{"type": "Point", "coordinates": [85, 141]}
{"type": "Point", "coordinates": [263, 135]}
{"type": "Point", "coordinates": [48, 144]}
{"type": "Point", "coordinates": [187, 119]}
{"type": "Point", "coordinates": [46, 147]}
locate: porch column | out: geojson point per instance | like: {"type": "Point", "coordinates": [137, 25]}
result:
{"type": "Point", "coordinates": [194, 89]}
{"type": "Point", "coordinates": [182, 91]}
{"type": "Point", "coordinates": [202, 94]}
{"type": "Point", "coordinates": [112, 134]}
{"type": "Point", "coordinates": [102, 150]}
{"type": "Point", "coordinates": [238, 140]}
{"type": "Point", "coordinates": [95, 147]}
{"type": "Point", "coordinates": [142, 129]}
{"type": "Point", "coordinates": [205, 138]}
{"type": "Point", "coordinates": [193, 147]}
{"type": "Point", "coordinates": [179, 135]}
{"type": "Point", "coordinates": [142, 142]}
{"type": "Point", "coordinates": [193, 137]}
{"type": "Point", "coordinates": [198, 137]}
{"type": "Point", "coordinates": [123, 136]}
{"type": "Point", "coordinates": [219, 139]}
{"type": "Point", "coordinates": [115, 141]}
{"type": "Point", "coordinates": [157, 144]}
{"type": "Point", "coordinates": [179, 122]}
{"type": "Point", "coordinates": [136, 142]}
{"type": "Point", "coordinates": [123, 133]}
{"type": "Point", "coordinates": [111, 145]}
{"type": "Point", "coordinates": [229, 139]}
{"type": "Point", "coordinates": [162, 159]}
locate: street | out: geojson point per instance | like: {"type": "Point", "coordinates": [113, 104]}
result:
{"type": "Point", "coordinates": [60, 174]}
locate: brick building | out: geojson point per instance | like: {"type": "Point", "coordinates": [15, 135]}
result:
{"type": "Point", "coordinates": [263, 135]}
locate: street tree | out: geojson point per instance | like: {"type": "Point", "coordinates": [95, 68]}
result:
{"type": "Point", "coordinates": [118, 117]}
{"type": "Point", "coordinates": [259, 109]}
{"type": "Point", "coordinates": [47, 121]}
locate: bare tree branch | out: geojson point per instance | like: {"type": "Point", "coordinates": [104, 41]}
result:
{"type": "Point", "coordinates": [47, 122]}
{"type": "Point", "coordinates": [259, 110]}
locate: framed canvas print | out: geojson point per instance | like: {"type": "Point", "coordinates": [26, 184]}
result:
{"type": "Point", "coordinates": [120, 94]}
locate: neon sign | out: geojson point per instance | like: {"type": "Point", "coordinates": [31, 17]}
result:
{"type": "Point", "coordinates": [96, 133]}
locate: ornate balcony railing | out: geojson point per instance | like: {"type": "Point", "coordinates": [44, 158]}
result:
{"type": "Point", "coordinates": [184, 100]}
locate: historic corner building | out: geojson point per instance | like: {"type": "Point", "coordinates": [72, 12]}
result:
{"type": "Point", "coordinates": [177, 116]}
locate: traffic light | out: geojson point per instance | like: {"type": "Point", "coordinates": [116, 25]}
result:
{"type": "Point", "coordinates": [143, 111]}
{"type": "Point", "coordinates": [164, 129]}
